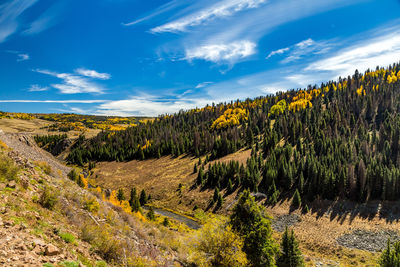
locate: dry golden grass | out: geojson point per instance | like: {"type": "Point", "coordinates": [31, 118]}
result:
{"type": "Point", "coordinates": [161, 178]}
{"type": "Point", "coordinates": [35, 126]}
{"type": "Point", "coordinates": [317, 236]}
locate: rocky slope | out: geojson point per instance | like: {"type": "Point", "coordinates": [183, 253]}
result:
{"type": "Point", "coordinates": [70, 233]}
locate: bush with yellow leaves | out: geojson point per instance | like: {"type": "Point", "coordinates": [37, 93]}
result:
{"type": "Point", "coordinates": [217, 245]}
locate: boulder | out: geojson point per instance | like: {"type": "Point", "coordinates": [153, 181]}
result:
{"type": "Point", "coordinates": [12, 184]}
{"type": "Point", "coordinates": [51, 250]}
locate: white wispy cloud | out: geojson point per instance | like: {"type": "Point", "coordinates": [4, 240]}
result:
{"type": "Point", "coordinates": [23, 57]}
{"type": "Point", "coordinates": [76, 83]}
{"type": "Point", "coordinates": [37, 88]}
{"type": "Point", "coordinates": [9, 13]}
{"type": "Point", "coordinates": [277, 52]}
{"type": "Point", "coordinates": [203, 84]}
{"type": "Point", "coordinates": [20, 55]}
{"type": "Point", "coordinates": [252, 24]}
{"type": "Point", "coordinates": [53, 101]}
{"type": "Point", "coordinates": [93, 74]}
{"type": "Point", "coordinates": [221, 9]}
{"type": "Point", "coordinates": [222, 53]}
{"type": "Point", "coordinates": [381, 47]}
{"type": "Point", "coordinates": [308, 48]}
{"type": "Point", "coordinates": [160, 10]}
{"type": "Point", "coordinates": [46, 20]}
{"type": "Point", "coordinates": [304, 48]}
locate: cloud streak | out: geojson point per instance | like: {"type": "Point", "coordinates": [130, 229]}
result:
{"type": "Point", "coordinates": [37, 88]}
{"type": "Point", "coordinates": [221, 9]}
{"type": "Point", "coordinates": [305, 48]}
{"type": "Point", "coordinates": [77, 83]}
{"type": "Point", "coordinates": [9, 13]}
{"type": "Point", "coordinates": [93, 74]}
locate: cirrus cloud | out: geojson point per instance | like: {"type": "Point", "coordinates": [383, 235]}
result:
{"type": "Point", "coordinates": [78, 82]}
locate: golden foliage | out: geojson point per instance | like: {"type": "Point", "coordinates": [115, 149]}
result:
{"type": "Point", "coordinates": [230, 118]}
{"type": "Point", "coordinates": [278, 108]}
{"type": "Point", "coordinates": [217, 245]}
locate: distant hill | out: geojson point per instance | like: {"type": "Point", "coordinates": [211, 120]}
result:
{"type": "Point", "coordinates": [337, 139]}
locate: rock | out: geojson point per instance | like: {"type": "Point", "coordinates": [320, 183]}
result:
{"type": "Point", "coordinates": [38, 250]}
{"type": "Point", "coordinates": [12, 184]}
{"type": "Point", "coordinates": [38, 242]}
{"type": "Point", "coordinates": [8, 224]}
{"type": "Point", "coordinates": [51, 250]}
{"type": "Point", "coordinates": [3, 210]}
{"type": "Point", "coordinates": [21, 246]}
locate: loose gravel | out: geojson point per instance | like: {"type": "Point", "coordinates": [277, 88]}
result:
{"type": "Point", "coordinates": [280, 223]}
{"type": "Point", "coordinates": [368, 240]}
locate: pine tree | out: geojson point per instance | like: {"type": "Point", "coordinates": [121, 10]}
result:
{"type": "Point", "coordinates": [390, 257]}
{"type": "Point", "coordinates": [134, 201]}
{"type": "Point", "coordinates": [143, 198]}
{"type": "Point", "coordinates": [230, 186]}
{"type": "Point", "coordinates": [216, 194]}
{"type": "Point", "coordinates": [150, 214]}
{"type": "Point", "coordinates": [296, 201]}
{"type": "Point", "coordinates": [120, 195]}
{"type": "Point", "coordinates": [290, 253]}
{"type": "Point", "coordinates": [249, 222]}
{"type": "Point", "coordinates": [219, 201]}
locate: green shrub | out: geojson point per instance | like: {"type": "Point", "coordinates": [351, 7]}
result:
{"type": "Point", "coordinates": [48, 264]}
{"type": "Point", "coordinates": [73, 175]}
{"type": "Point", "coordinates": [166, 222]}
{"type": "Point", "coordinates": [44, 166]}
{"type": "Point", "coordinates": [91, 204]}
{"type": "Point", "coordinates": [48, 199]}
{"type": "Point", "coordinates": [101, 264]}
{"type": "Point", "coordinates": [8, 170]}
{"type": "Point", "coordinates": [103, 242]}
{"type": "Point", "coordinates": [390, 256]}
{"type": "Point", "coordinates": [69, 264]}
{"type": "Point", "coordinates": [67, 237]}
{"type": "Point", "coordinates": [150, 215]}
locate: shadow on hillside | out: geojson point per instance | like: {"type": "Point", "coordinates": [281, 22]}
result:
{"type": "Point", "coordinates": [342, 210]}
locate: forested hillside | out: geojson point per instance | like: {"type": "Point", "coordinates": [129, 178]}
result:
{"type": "Point", "coordinates": [337, 139]}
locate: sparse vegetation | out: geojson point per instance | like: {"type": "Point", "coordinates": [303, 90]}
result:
{"type": "Point", "coordinates": [49, 198]}
{"type": "Point", "coordinates": [67, 237]}
{"type": "Point", "coordinates": [8, 169]}
{"type": "Point", "coordinates": [91, 204]}
{"type": "Point", "coordinates": [44, 166]}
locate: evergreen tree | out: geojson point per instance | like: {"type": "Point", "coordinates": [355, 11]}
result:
{"type": "Point", "coordinates": [143, 198]}
{"type": "Point", "coordinates": [249, 222]}
{"type": "Point", "coordinates": [296, 201]}
{"type": "Point", "coordinates": [290, 253]}
{"type": "Point", "coordinates": [150, 214]}
{"type": "Point", "coordinates": [120, 195]}
{"type": "Point", "coordinates": [390, 257]}
{"type": "Point", "coordinates": [134, 201]}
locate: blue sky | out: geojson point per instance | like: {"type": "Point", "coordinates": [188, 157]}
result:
{"type": "Point", "coordinates": [132, 57]}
